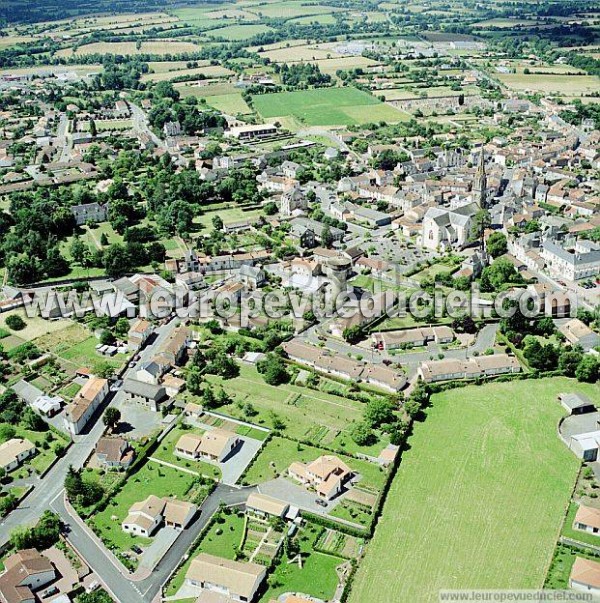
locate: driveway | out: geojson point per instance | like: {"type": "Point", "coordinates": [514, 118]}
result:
{"type": "Point", "coordinates": [162, 542]}
{"type": "Point", "coordinates": [234, 466]}
{"type": "Point", "coordinates": [295, 495]}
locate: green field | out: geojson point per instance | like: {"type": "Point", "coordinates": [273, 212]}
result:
{"type": "Point", "coordinates": [234, 33]}
{"type": "Point", "coordinates": [326, 107]}
{"type": "Point", "coordinates": [479, 497]}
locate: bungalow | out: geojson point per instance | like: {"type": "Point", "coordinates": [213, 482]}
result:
{"type": "Point", "coordinates": [27, 571]}
{"type": "Point", "coordinates": [326, 474]}
{"type": "Point", "coordinates": [585, 445]}
{"type": "Point", "coordinates": [236, 580]}
{"type": "Point", "coordinates": [587, 519]}
{"type": "Point", "coordinates": [585, 575]}
{"type": "Point", "coordinates": [13, 452]}
{"type": "Point", "coordinates": [146, 516]}
{"type": "Point", "coordinates": [214, 445]}
{"type": "Point", "coordinates": [263, 506]}
{"type": "Point", "coordinates": [85, 403]}
{"type": "Point", "coordinates": [193, 410]}
{"type": "Point", "coordinates": [114, 452]}
{"type": "Point", "coordinates": [146, 394]}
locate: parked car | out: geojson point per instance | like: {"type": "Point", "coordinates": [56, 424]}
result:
{"type": "Point", "coordinates": [136, 549]}
{"type": "Point", "coordinates": [320, 502]}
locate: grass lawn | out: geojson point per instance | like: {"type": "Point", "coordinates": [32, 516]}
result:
{"type": "Point", "coordinates": [326, 107]}
{"type": "Point", "coordinates": [229, 103]}
{"type": "Point", "coordinates": [308, 414]}
{"type": "Point", "coordinates": [150, 479]}
{"type": "Point", "coordinates": [317, 576]}
{"type": "Point", "coordinates": [165, 452]}
{"type": "Point", "coordinates": [480, 495]}
{"type": "Point", "coordinates": [43, 458]}
{"type": "Point", "coordinates": [85, 354]}
{"type": "Point", "coordinates": [279, 453]}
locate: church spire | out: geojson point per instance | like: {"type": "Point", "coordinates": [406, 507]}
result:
{"type": "Point", "coordinates": [480, 184]}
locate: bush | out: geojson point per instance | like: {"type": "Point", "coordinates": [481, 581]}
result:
{"type": "Point", "coordinates": [15, 322]}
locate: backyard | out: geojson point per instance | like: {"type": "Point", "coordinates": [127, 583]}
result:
{"type": "Point", "coordinates": [320, 417]}
{"type": "Point", "coordinates": [479, 497]}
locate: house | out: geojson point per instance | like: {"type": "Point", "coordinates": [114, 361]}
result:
{"type": "Point", "coordinates": [585, 576]}
{"type": "Point", "coordinates": [146, 394]}
{"type": "Point", "coordinates": [89, 213]}
{"type": "Point", "coordinates": [26, 572]}
{"type": "Point", "coordinates": [587, 519]}
{"type": "Point", "coordinates": [85, 403]}
{"type": "Point", "coordinates": [576, 404]}
{"type": "Point", "coordinates": [263, 506]}
{"type": "Point", "coordinates": [472, 368]}
{"type": "Point", "coordinates": [139, 333]}
{"type": "Point", "coordinates": [13, 452]}
{"type": "Point", "coordinates": [578, 333]}
{"type": "Point", "coordinates": [236, 580]}
{"type": "Point", "coordinates": [114, 452]}
{"type": "Point", "coordinates": [48, 405]}
{"type": "Point", "coordinates": [214, 445]}
{"type": "Point", "coordinates": [150, 372]}
{"type": "Point", "coordinates": [327, 475]}
{"type": "Point", "coordinates": [392, 340]}
{"type": "Point", "coordinates": [146, 516]}
{"type": "Point", "coordinates": [252, 277]}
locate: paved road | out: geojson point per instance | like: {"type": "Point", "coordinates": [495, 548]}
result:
{"type": "Point", "coordinates": [140, 125]}
{"type": "Point", "coordinates": [123, 586]}
{"type": "Point", "coordinates": [48, 487]}
{"type": "Point", "coordinates": [485, 339]}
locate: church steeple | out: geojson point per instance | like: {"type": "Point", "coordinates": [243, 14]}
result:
{"type": "Point", "coordinates": [480, 184]}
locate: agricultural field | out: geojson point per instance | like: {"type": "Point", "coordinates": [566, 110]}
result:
{"type": "Point", "coordinates": [326, 107]}
{"type": "Point", "coordinates": [485, 457]}
{"type": "Point", "coordinates": [229, 103]}
{"type": "Point", "coordinates": [208, 71]}
{"type": "Point", "coordinates": [544, 83]}
{"type": "Point", "coordinates": [236, 33]}
{"type": "Point", "coordinates": [130, 48]}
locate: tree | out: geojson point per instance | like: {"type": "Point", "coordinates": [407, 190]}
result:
{"type": "Point", "coordinates": [273, 370]}
{"type": "Point", "coordinates": [379, 411]}
{"type": "Point", "coordinates": [105, 370]}
{"type": "Point", "coordinates": [481, 222]}
{"type": "Point", "coordinates": [107, 338]}
{"type": "Point", "coordinates": [7, 432]}
{"type": "Point", "coordinates": [569, 361]}
{"type": "Point", "coordinates": [496, 244]}
{"type": "Point", "coordinates": [587, 370]}
{"type": "Point", "coordinates": [217, 222]}
{"type": "Point", "coordinates": [224, 366]}
{"type": "Point", "coordinates": [326, 236]}
{"type": "Point", "coordinates": [194, 380]}
{"type": "Point", "coordinates": [78, 250]}
{"type": "Point", "coordinates": [352, 334]}
{"type": "Point", "coordinates": [99, 596]}
{"type": "Point", "coordinates": [111, 417]}
{"type": "Point", "coordinates": [15, 322]}
{"type": "Point", "coordinates": [363, 435]}
{"type": "Point", "coordinates": [545, 327]}
{"type": "Point", "coordinates": [116, 260]}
